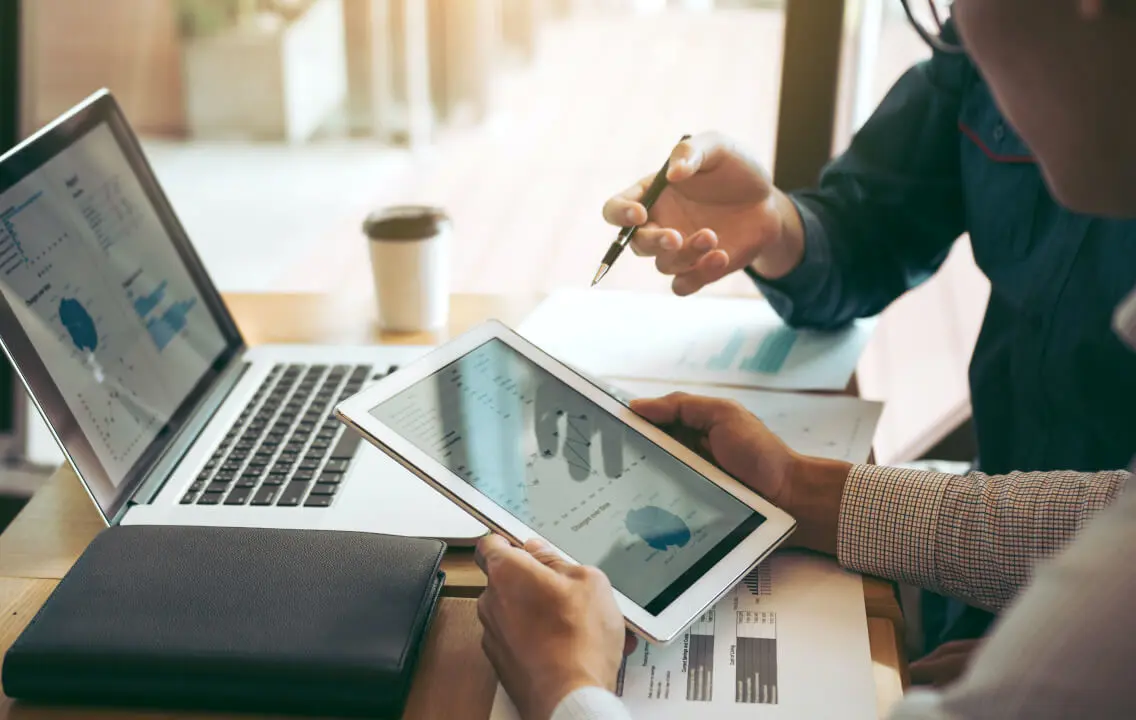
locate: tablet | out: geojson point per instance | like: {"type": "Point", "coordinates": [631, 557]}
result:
{"type": "Point", "coordinates": [533, 449]}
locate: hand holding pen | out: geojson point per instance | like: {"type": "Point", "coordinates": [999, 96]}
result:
{"type": "Point", "coordinates": [658, 184]}
{"type": "Point", "coordinates": [716, 211]}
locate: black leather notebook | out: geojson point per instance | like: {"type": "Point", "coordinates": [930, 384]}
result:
{"type": "Point", "coordinates": [283, 621]}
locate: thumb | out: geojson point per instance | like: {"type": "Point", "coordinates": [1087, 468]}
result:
{"type": "Point", "coordinates": [547, 555]}
{"type": "Point", "coordinates": [694, 411]}
{"type": "Point", "coordinates": [700, 153]}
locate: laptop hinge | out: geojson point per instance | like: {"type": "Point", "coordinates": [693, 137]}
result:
{"type": "Point", "coordinates": [180, 445]}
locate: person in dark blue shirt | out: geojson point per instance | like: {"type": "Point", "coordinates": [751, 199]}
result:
{"type": "Point", "coordinates": [1051, 384]}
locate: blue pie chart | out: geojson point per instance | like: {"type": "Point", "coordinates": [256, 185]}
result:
{"type": "Point", "coordinates": [659, 528]}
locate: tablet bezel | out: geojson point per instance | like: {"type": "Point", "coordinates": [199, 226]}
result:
{"type": "Point", "coordinates": [684, 609]}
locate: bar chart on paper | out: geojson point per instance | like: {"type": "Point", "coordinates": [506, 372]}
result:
{"type": "Point", "coordinates": [756, 657]}
{"type": "Point", "coordinates": [791, 641]}
{"type": "Point", "coordinates": [764, 354]}
{"type": "Point", "coordinates": [731, 341]}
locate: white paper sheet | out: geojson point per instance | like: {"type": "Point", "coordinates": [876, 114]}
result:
{"type": "Point", "coordinates": [731, 341]}
{"type": "Point", "coordinates": [790, 642]}
{"type": "Point", "coordinates": [834, 427]}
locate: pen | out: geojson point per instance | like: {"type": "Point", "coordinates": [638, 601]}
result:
{"type": "Point", "coordinates": [628, 232]}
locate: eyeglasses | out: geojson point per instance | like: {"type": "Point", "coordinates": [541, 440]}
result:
{"type": "Point", "coordinates": [931, 38]}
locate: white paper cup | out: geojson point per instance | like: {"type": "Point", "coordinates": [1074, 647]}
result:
{"type": "Point", "coordinates": [410, 259]}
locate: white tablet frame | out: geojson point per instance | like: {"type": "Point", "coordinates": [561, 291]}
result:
{"type": "Point", "coordinates": [684, 609]}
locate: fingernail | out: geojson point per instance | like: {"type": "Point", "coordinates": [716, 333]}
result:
{"type": "Point", "coordinates": [718, 262]}
{"type": "Point", "coordinates": [670, 242]}
{"type": "Point", "coordinates": [703, 242]}
{"type": "Point", "coordinates": [631, 216]}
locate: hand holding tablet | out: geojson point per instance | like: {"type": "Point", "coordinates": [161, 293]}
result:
{"type": "Point", "coordinates": [533, 449]}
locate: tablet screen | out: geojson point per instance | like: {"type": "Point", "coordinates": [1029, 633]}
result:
{"type": "Point", "coordinates": [571, 471]}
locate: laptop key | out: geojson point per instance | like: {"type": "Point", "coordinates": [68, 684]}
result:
{"type": "Point", "coordinates": [329, 478]}
{"type": "Point", "coordinates": [293, 493]}
{"type": "Point", "coordinates": [304, 474]}
{"type": "Point", "coordinates": [188, 498]}
{"type": "Point", "coordinates": [347, 446]}
{"type": "Point", "coordinates": [247, 482]}
{"type": "Point", "coordinates": [210, 498]}
{"type": "Point", "coordinates": [239, 496]}
{"type": "Point", "coordinates": [275, 480]}
{"type": "Point", "coordinates": [336, 465]}
{"type": "Point", "coordinates": [197, 486]}
{"type": "Point", "coordinates": [265, 495]}
{"type": "Point", "coordinates": [318, 501]}
{"type": "Point", "coordinates": [325, 489]}
{"type": "Point", "coordinates": [219, 486]}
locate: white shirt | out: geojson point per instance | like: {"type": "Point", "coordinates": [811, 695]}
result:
{"type": "Point", "coordinates": [1065, 645]}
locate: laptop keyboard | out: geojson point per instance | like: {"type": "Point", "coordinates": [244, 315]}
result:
{"type": "Point", "coordinates": [285, 449]}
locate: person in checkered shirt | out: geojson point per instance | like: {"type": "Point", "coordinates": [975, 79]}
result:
{"type": "Point", "coordinates": [1051, 550]}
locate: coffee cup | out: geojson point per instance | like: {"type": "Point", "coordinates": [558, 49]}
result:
{"type": "Point", "coordinates": [410, 260]}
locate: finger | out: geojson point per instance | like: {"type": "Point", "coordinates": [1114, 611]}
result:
{"type": "Point", "coordinates": [489, 549]}
{"type": "Point", "coordinates": [489, 646]}
{"type": "Point", "coordinates": [630, 642]}
{"type": "Point", "coordinates": [693, 249]}
{"type": "Point", "coordinates": [694, 411]}
{"type": "Point", "coordinates": [546, 555]}
{"type": "Point", "coordinates": [650, 240]}
{"type": "Point", "coordinates": [710, 268]}
{"type": "Point", "coordinates": [701, 153]}
{"type": "Point", "coordinates": [624, 208]}
{"type": "Point", "coordinates": [940, 671]}
{"type": "Point", "coordinates": [485, 611]}
{"type": "Point", "coordinates": [955, 646]}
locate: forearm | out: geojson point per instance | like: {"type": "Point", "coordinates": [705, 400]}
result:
{"type": "Point", "coordinates": [1067, 646]}
{"type": "Point", "coordinates": [975, 537]}
{"type": "Point", "coordinates": [885, 213]}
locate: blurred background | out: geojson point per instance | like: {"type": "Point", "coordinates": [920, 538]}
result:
{"type": "Point", "coordinates": [276, 125]}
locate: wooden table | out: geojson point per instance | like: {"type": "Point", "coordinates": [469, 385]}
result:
{"type": "Point", "coordinates": [454, 679]}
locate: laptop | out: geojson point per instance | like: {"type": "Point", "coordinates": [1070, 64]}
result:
{"type": "Point", "coordinates": [127, 350]}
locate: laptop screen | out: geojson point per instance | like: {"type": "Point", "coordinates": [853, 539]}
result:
{"type": "Point", "coordinates": [126, 332]}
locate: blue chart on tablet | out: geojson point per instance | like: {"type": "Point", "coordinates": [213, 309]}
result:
{"type": "Point", "coordinates": [566, 468]}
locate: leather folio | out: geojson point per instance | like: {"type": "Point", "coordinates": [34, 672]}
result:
{"type": "Point", "coordinates": [282, 621]}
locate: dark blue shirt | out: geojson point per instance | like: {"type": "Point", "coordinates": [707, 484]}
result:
{"type": "Point", "coordinates": [1050, 382]}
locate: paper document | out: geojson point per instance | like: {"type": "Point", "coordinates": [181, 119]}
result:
{"type": "Point", "coordinates": [834, 427]}
{"type": "Point", "coordinates": [732, 341]}
{"type": "Point", "coordinates": [791, 641]}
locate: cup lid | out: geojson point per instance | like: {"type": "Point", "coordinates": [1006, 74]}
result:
{"type": "Point", "coordinates": [405, 222]}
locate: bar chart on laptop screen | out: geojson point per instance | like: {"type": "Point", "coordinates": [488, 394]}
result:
{"type": "Point", "coordinates": [109, 306]}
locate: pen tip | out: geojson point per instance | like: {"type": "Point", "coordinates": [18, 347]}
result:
{"type": "Point", "coordinates": [600, 274]}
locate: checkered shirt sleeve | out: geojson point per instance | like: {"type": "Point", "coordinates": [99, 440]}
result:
{"type": "Point", "coordinates": [976, 537]}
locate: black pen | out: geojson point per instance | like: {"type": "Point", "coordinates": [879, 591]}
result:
{"type": "Point", "coordinates": [628, 232]}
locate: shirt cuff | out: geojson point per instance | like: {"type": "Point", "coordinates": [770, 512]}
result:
{"type": "Point", "coordinates": [590, 703]}
{"type": "Point", "coordinates": [805, 280]}
{"type": "Point", "coordinates": [888, 521]}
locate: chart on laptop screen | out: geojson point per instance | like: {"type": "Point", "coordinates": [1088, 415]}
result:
{"type": "Point", "coordinates": [109, 306]}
